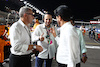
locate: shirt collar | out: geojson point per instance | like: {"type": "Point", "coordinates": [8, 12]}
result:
{"type": "Point", "coordinates": [63, 26]}
{"type": "Point", "coordinates": [21, 22]}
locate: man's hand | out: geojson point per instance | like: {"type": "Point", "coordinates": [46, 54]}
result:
{"type": "Point", "coordinates": [84, 58]}
{"type": "Point", "coordinates": [52, 30]}
{"type": "Point", "coordinates": [41, 37]}
{"type": "Point", "coordinates": [39, 48]}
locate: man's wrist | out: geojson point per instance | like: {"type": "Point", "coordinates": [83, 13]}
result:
{"type": "Point", "coordinates": [84, 55]}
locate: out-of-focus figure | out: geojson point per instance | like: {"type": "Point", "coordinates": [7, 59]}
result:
{"type": "Point", "coordinates": [93, 32]}
{"type": "Point", "coordinates": [89, 32]}
{"type": "Point", "coordinates": [82, 28]}
{"type": "Point", "coordinates": [82, 43]}
{"type": "Point", "coordinates": [36, 23]}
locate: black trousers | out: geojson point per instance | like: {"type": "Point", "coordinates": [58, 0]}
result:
{"type": "Point", "coordinates": [20, 61]}
{"type": "Point", "coordinates": [65, 65]}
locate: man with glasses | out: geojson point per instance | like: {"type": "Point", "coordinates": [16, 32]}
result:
{"type": "Point", "coordinates": [20, 38]}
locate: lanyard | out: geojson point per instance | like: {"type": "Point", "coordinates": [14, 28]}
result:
{"type": "Point", "coordinates": [28, 31]}
{"type": "Point", "coordinates": [48, 36]}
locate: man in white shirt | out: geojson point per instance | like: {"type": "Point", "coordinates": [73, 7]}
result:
{"type": "Point", "coordinates": [46, 40]}
{"type": "Point", "coordinates": [20, 38]}
{"type": "Point", "coordinates": [68, 51]}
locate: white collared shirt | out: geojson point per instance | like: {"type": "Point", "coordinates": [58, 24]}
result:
{"type": "Point", "coordinates": [47, 49]}
{"type": "Point", "coordinates": [19, 38]}
{"type": "Point", "coordinates": [68, 51]}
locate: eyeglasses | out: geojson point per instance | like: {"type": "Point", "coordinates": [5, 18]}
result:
{"type": "Point", "coordinates": [30, 14]}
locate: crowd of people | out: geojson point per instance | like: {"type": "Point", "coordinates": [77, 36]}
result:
{"type": "Point", "coordinates": [91, 31]}
{"type": "Point", "coordinates": [67, 46]}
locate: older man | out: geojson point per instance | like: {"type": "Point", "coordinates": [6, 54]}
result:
{"type": "Point", "coordinates": [20, 38]}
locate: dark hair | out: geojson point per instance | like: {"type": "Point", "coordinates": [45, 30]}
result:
{"type": "Point", "coordinates": [9, 23]}
{"type": "Point", "coordinates": [64, 12]}
{"type": "Point", "coordinates": [49, 13]}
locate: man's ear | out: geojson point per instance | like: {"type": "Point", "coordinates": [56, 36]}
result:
{"type": "Point", "coordinates": [25, 15]}
{"type": "Point", "coordinates": [59, 18]}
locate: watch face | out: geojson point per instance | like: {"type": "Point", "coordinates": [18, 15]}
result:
{"type": "Point", "coordinates": [34, 47]}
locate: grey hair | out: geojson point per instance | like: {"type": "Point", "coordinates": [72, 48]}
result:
{"type": "Point", "coordinates": [24, 10]}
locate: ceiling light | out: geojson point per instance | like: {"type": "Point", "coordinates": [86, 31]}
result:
{"type": "Point", "coordinates": [25, 2]}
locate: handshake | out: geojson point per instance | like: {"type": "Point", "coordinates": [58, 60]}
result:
{"type": "Point", "coordinates": [37, 48]}
{"type": "Point", "coordinates": [84, 58]}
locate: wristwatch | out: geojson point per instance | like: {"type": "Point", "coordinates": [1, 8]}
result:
{"type": "Point", "coordinates": [34, 47]}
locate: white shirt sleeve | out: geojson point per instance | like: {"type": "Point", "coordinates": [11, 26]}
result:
{"type": "Point", "coordinates": [35, 35]}
{"type": "Point", "coordinates": [57, 39]}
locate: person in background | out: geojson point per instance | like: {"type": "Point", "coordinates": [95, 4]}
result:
{"type": "Point", "coordinates": [93, 32]}
{"type": "Point", "coordinates": [68, 51]}
{"type": "Point", "coordinates": [83, 31]}
{"type": "Point", "coordinates": [36, 23]}
{"type": "Point", "coordinates": [82, 28]}
{"type": "Point", "coordinates": [8, 26]}
{"type": "Point", "coordinates": [46, 40]}
{"type": "Point", "coordinates": [5, 35]}
{"type": "Point", "coordinates": [89, 32]}
{"type": "Point", "coordinates": [20, 38]}
{"type": "Point", "coordinates": [81, 42]}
